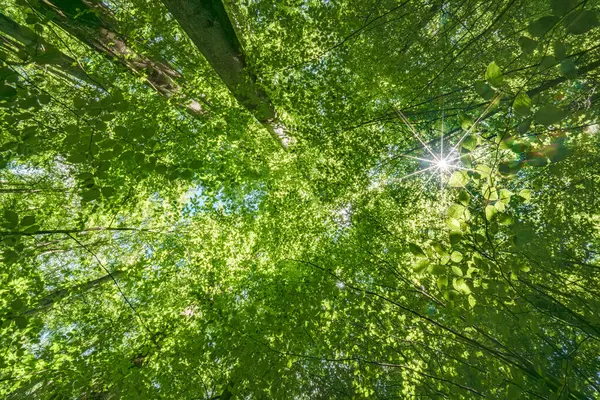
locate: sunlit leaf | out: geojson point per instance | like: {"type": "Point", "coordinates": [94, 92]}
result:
{"type": "Point", "coordinates": [456, 257]}
{"type": "Point", "coordinates": [416, 250]}
{"type": "Point", "coordinates": [490, 211]}
{"type": "Point", "coordinates": [459, 179]}
{"type": "Point", "coordinates": [493, 74]}
{"type": "Point", "coordinates": [522, 104]}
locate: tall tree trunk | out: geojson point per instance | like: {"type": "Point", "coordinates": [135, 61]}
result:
{"type": "Point", "coordinates": [28, 43]}
{"type": "Point", "coordinates": [208, 26]}
{"type": "Point", "coordinates": [92, 24]}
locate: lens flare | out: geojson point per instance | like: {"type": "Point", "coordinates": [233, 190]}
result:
{"type": "Point", "coordinates": [443, 165]}
{"type": "Point", "coordinates": [446, 162]}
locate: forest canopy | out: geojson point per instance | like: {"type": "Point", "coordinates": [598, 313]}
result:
{"type": "Point", "coordinates": [299, 199]}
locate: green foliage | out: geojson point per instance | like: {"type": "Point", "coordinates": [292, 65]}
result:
{"type": "Point", "coordinates": [493, 74]}
{"type": "Point", "coordinates": [541, 26]}
{"type": "Point", "coordinates": [431, 230]}
{"type": "Point", "coordinates": [528, 45]}
{"type": "Point", "coordinates": [522, 104]}
{"type": "Point", "coordinates": [549, 115]}
{"type": "Point", "coordinates": [568, 69]}
{"type": "Point", "coordinates": [581, 22]}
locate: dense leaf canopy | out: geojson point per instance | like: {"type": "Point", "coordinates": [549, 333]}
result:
{"type": "Point", "coordinates": [312, 199]}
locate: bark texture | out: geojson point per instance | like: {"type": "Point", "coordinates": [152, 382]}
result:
{"type": "Point", "coordinates": [207, 24]}
{"type": "Point", "coordinates": [30, 46]}
{"type": "Point", "coordinates": [92, 24]}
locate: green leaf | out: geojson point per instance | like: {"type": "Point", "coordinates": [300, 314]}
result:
{"type": "Point", "coordinates": [568, 69]}
{"type": "Point", "coordinates": [459, 179]}
{"type": "Point", "coordinates": [90, 195]}
{"type": "Point", "coordinates": [561, 7]}
{"type": "Point", "coordinates": [139, 157]}
{"type": "Point", "coordinates": [464, 197]}
{"type": "Point", "coordinates": [505, 219]}
{"type": "Point", "coordinates": [505, 195]}
{"type": "Point", "coordinates": [187, 174]}
{"type": "Point", "coordinates": [11, 217]}
{"type": "Point", "coordinates": [525, 194]}
{"type": "Point", "coordinates": [79, 102]}
{"type": "Point", "coordinates": [442, 282]}
{"type": "Point", "coordinates": [549, 115]}
{"type": "Point", "coordinates": [490, 211]}
{"type": "Point", "coordinates": [10, 257]}
{"type": "Point", "coordinates": [484, 90]}
{"type": "Point", "coordinates": [436, 269]}
{"type": "Point", "coordinates": [31, 229]}
{"type": "Point", "coordinates": [537, 160]}
{"type": "Point", "coordinates": [456, 270]}
{"type": "Point", "coordinates": [542, 25]}
{"type": "Point", "coordinates": [421, 265]}
{"type": "Point", "coordinates": [581, 22]}
{"type": "Point", "coordinates": [122, 107]}
{"type": "Point", "coordinates": [161, 169]}
{"type": "Point", "coordinates": [28, 220]}
{"type": "Point", "coordinates": [560, 50]}
{"type": "Point", "coordinates": [527, 45]}
{"type": "Point", "coordinates": [524, 126]}
{"type": "Point", "coordinates": [437, 246]}
{"type": "Point", "coordinates": [460, 285]}
{"type": "Point", "coordinates": [507, 168]}
{"type": "Point", "coordinates": [121, 131]}
{"type": "Point", "coordinates": [493, 74]}
{"type": "Point", "coordinates": [453, 224]}
{"type": "Point", "coordinates": [107, 191]}
{"type": "Point", "coordinates": [21, 322]}
{"type": "Point", "coordinates": [455, 238]}
{"type": "Point", "coordinates": [126, 155]}
{"type": "Point", "coordinates": [523, 234]}
{"type": "Point", "coordinates": [500, 206]}
{"type": "Point", "coordinates": [469, 142]}
{"type": "Point", "coordinates": [547, 62]}
{"type": "Point", "coordinates": [107, 117]}
{"type": "Point", "coordinates": [17, 305]}
{"type": "Point", "coordinates": [77, 158]}
{"type": "Point", "coordinates": [522, 104]}
{"type": "Point", "coordinates": [444, 259]}
{"type": "Point", "coordinates": [101, 126]}
{"type": "Point", "coordinates": [464, 120]}
{"type": "Point", "coordinates": [44, 98]}
{"type": "Point", "coordinates": [489, 193]}
{"type": "Point", "coordinates": [148, 167]}
{"type": "Point", "coordinates": [416, 250]}
{"type": "Point", "coordinates": [456, 211]}
{"type": "Point", "coordinates": [483, 170]}
{"type": "Point", "coordinates": [456, 256]}
{"type": "Point", "coordinates": [472, 301]}
{"type": "Point", "coordinates": [7, 92]}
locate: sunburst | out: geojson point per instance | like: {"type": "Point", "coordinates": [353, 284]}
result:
{"type": "Point", "coordinates": [443, 164]}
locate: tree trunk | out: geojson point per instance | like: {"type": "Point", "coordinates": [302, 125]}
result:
{"type": "Point", "coordinates": [27, 42]}
{"type": "Point", "coordinates": [95, 27]}
{"type": "Point", "coordinates": [208, 26]}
